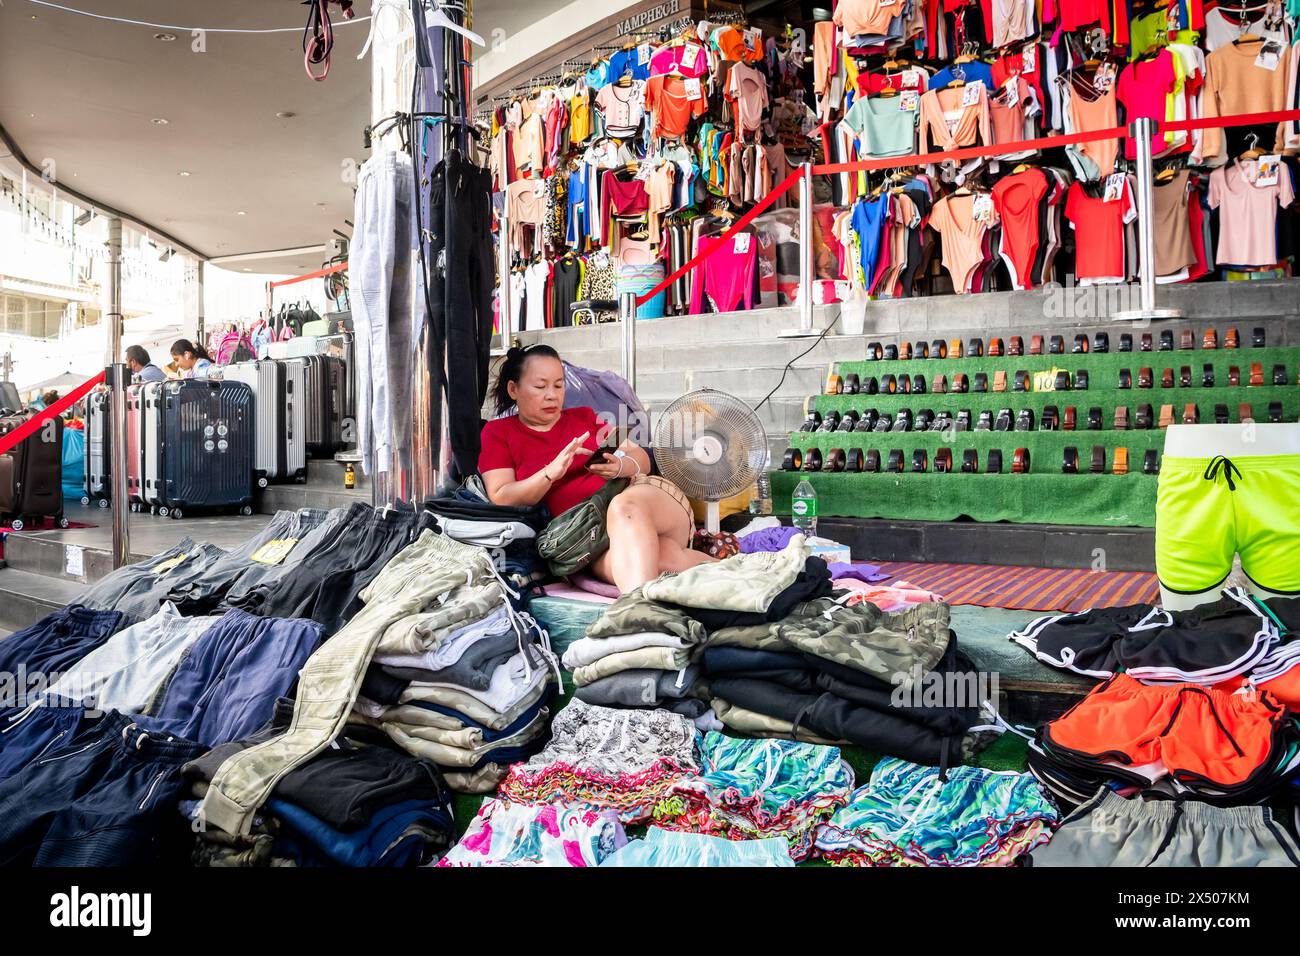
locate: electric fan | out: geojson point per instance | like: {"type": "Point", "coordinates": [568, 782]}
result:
{"type": "Point", "coordinates": [711, 445]}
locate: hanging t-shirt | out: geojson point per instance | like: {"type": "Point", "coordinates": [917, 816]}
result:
{"type": "Point", "coordinates": [670, 104]}
{"type": "Point", "coordinates": [747, 91]}
{"type": "Point", "coordinates": [1223, 26]}
{"type": "Point", "coordinates": [622, 107]}
{"type": "Point", "coordinates": [1017, 198]}
{"type": "Point", "coordinates": [628, 62]}
{"type": "Point", "coordinates": [865, 17]}
{"type": "Point", "coordinates": [1248, 212]}
{"type": "Point", "coordinates": [598, 75]}
{"type": "Point", "coordinates": [536, 277]}
{"type": "Point", "coordinates": [1144, 89]}
{"type": "Point", "coordinates": [686, 59]}
{"type": "Point", "coordinates": [1099, 233]}
{"type": "Point", "coordinates": [882, 126]}
{"type": "Point", "coordinates": [1173, 235]}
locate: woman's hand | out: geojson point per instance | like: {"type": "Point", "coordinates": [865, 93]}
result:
{"type": "Point", "coordinates": [611, 468]}
{"type": "Point", "coordinates": [561, 463]}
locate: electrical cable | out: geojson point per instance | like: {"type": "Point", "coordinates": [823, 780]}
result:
{"type": "Point", "coordinates": [168, 26]}
{"type": "Point", "coordinates": [785, 370]}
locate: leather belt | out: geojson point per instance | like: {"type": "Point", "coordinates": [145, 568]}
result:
{"type": "Point", "coordinates": [1070, 461]}
{"type": "Point", "coordinates": [1036, 345]}
{"type": "Point", "coordinates": [1025, 420]}
{"type": "Point", "coordinates": [1119, 464]}
{"type": "Point", "coordinates": [1094, 418]}
{"type": "Point", "coordinates": [834, 385]}
{"type": "Point", "coordinates": [942, 422]}
{"type": "Point", "coordinates": [1016, 346]}
{"type": "Point", "coordinates": [1080, 346]}
{"type": "Point", "coordinates": [1256, 373]}
{"type": "Point", "coordinates": [1188, 339]}
{"type": "Point", "coordinates": [812, 460]}
{"type": "Point", "coordinates": [1125, 378]}
{"type": "Point", "coordinates": [1101, 342]}
{"type": "Point", "coordinates": [970, 461]}
{"type": "Point", "coordinates": [1125, 342]}
{"type": "Point", "coordinates": [1145, 345]}
{"type": "Point", "coordinates": [963, 420]}
{"type": "Point", "coordinates": [1081, 380]}
{"type": "Point", "coordinates": [921, 350]}
{"type": "Point", "coordinates": [852, 383]}
{"type": "Point", "coordinates": [1257, 337]}
{"type": "Point", "coordinates": [918, 384]}
{"type": "Point", "coordinates": [905, 384]}
{"type": "Point", "coordinates": [1279, 375]}
{"type": "Point", "coordinates": [902, 420]}
{"type": "Point", "coordinates": [1210, 340]}
{"type": "Point", "coordinates": [904, 351]}
{"type": "Point", "coordinates": [1056, 345]}
{"type": "Point", "coordinates": [883, 423]}
{"type": "Point", "coordinates": [1050, 420]}
{"type": "Point", "coordinates": [1220, 414]}
{"type": "Point", "coordinates": [888, 385]}
{"type": "Point", "coordinates": [1191, 414]}
{"type": "Point", "coordinates": [954, 349]}
{"type": "Point", "coordinates": [1062, 381]}
{"type": "Point", "coordinates": [891, 353]}
{"type": "Point", "coordinates": [1121, 418]}
{"type": "Point", "coordinates": [1004, 420]}
{"type": "Point", "coordinates": [981, 383]}
{"type": "Point", "coordinates": [938, 349]}
{"type": "Point", "coordinates": [1167, 340]}
{"type": "Point", "coordinates": [1166, 415]}
{"type": "Point", "coordinates": [975, 348]}
{"type": "Point", "coordinates": [1234, 376]}
{"type": "Point", "coordinates": [960, 385]}
{"type": "Point", "coordinates": [999, 381]}
{"type": "Point", "coordinates": [854, 460]}
{"type": "Point", "coordinates": [995, 347]}
{"type": "Point", "coordinates": [835, 460]}
{"type": "Point", "coordinates": [895, 462]}
{"type": "Point", "coordinates": [1167, 378]}
{"type": "Point", "coordinates": [1146, 378]}
{"type": "Point", "coordinates": [1207, 375]}
{"type": "Point", "coordinates": [924, 419]}
{"type": "Point", "coordinates": [993, 465]}
{"type": "Point", "coordinates": [1185, 377]}
{"type": "Point", "coordinates": [985, 422]}
{"type": "Point", "coordinates": [1245, 413]}
{"type": "Point", "coordinates": [1275, 412]}
{"type": "Point", "coordinates": [1022, 381]}
{"type": "Point", "coordinates": [1098, 463]}
{"type": "Point", "coordinates": [1145, 417]}
{"type": "Point", "coordinates": [812, 422]}
{"type": "Point", "coordinates": [793, 460]}
{"type": "Point", "coordinates": [1020, 462]}
{"type": "Point", "coordinates": [1069, 421]}
{"type": "Point", "coordinates": [1231, 339]}
{"type": "Point", "coordinates": [920, 460]}
{"type": "Point", "coordinates": [943, 460]}
{"type": "Point", "coordinates": [875, 352]}
{"type": "Point", "coordinates": [867, 421]}
{"type": "Point", "coordinates": [940, 386]}
{"type": "Point", "coordinates": [849, 421]}
{"type": "Point", "coordinates": [1151, 462]}
{"type": "Point", "coordinates": [872, 463]}
{"type": "Point", "coordinates": [830, 422]}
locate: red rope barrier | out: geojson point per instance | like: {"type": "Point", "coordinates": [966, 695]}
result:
{"type": "Point", "coordinates": [328, 270]}
{"type": "Point", "coordinates": [33, 425]}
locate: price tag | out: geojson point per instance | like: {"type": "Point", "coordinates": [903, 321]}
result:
{"type": "Point", "coordinates": [909, 100]}
{"type": "Point", "coordinates": [742, 242]}
{"type": "Point", "coordinates": [169, 565]}
{"type": "Point", "coordinates": [74, 560]}
{"type": "Point", "coordinates": [1270, 54]}
{"type": "Point", "coordinates": [273, 552]}
{"type": "Point", "coordinates": [643, 54]}
{"type": "Point", "coordinates": [982, 210]}
{"type": "Point", "coordinates": [1013, 89]}
{"type": "Point", "coordinates": [1105, 77]}
{"type": "Point", "coordinates": [690, 54]}
{"type": "Point", "coordinates": [1029, 59]}
{"type": "Point", "coordinates": [911, 79]}
{"type": "Point", "coordinates": [971, 93]}
{"type": "Point", "coordinates": [1267, 170]}
{"type": "Point", "coordinates": [1114, 188]}
{"type": "Point", "coordinates": [753, 37]}
{"type": "Point", "coordinates": [693, 90]}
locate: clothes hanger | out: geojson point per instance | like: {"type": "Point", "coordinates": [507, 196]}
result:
{"type": "Point", "coordinates": [436, 16]}
{"type": "Point", "coordinates": [1252, 150]}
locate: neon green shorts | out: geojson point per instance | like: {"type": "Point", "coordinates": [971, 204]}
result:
{"type": "Point", "coordinates": [1207, 509]}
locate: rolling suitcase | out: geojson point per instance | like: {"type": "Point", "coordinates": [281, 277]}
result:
{"type": "Point", "coordinates": [150, 432]}
{"type": "Point", "coordinates": [280, 449]}
{"type": "Point", "coordinates": [98, 406]}
{"type": "Point", "coordinates": [198, 437]}
{"type": "Point", "coordinates": [324, 400]}
{"type": "Point", "coordinates": [134, 447]}
{"type": "Point", "coordinates": [31, 473]}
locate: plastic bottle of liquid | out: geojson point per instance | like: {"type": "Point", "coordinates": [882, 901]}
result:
{"type": "Point", "coordinates": [764, 493]}
{"type": "Point", "coordinates": [349, 477]}
{"type": "Point", "coordinates": [803, 504]}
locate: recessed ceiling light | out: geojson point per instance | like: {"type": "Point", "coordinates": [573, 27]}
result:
{"type": "Point", "coordinates": [158, 121]}
{"type": "Point", "coordinates": [241, 213]}
{"type": "Point", "coordinates": [183, 172]}
{"type": "Point", "coordinates": [247, 269]}
{"type": "Point", "coordinates": [31, 116]}
{"type": "Point", "coordinates": [286, 114]}
{"type": "Point", "coordinates": [164, 37]}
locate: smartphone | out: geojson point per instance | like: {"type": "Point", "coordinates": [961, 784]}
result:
{"type": "Point", "coordinates": [605, 453]}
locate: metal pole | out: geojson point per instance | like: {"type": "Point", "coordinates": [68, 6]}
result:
{"type": "Point", "coordinates": [1142, 130]}
{"type": "Point", "coordinates": [503, 270]}
{"type": "Point", "coordinates": [200, 265]}
{"type": "Point", "coordinates": [806, 263]}
{"type": "Point", "coordinates": [627, 316]}
{"type": "Point", "coordinates": [118, 377]}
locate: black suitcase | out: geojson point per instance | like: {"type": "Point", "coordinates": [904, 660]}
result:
{"type": "Point", "coordinates": [326, 389]}
{"type": "Point", "coordinates": [205, 447]}
{"type": "Point", "coordinates": [31, 473]}
{"type": "Point", "coordinates": [98, 457]}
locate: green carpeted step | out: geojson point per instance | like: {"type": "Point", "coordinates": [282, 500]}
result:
{"type": "Point", "coordinates": [1046, 449]}
{"type": "Point", "coordinates": [1114, 501]}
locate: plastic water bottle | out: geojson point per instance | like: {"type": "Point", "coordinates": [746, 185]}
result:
{"type": "Point", "coordinates": [804, 506]}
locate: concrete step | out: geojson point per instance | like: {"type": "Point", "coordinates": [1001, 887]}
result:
{"type": "Point", "coordinates": [26, 597]}
{"type": "Point", "coordinates": [313, 495]}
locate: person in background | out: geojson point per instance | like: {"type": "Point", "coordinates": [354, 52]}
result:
{"type": "Point", "coordinates": [192, 360]}
{"type": "Point", "coordinates": [44, 400]}
{"type": "Point", "coordinates": [142, 369]}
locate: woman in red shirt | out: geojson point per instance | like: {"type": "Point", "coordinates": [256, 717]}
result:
{"type": "Point", "coordinates": [543, 454]}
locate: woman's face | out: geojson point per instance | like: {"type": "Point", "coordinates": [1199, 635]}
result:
{"type": "Point", "coordinates": [183, 360]}
{"type": "Point", "coordinates": [540, 390]}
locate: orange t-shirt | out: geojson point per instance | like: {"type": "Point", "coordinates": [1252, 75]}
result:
{"type": "Point", "coordinates": [671, 107]}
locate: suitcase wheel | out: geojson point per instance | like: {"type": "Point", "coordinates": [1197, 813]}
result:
{"type": "Point", "coordinates": [246, 510]}
{"type": "Point", "coordinates": [17, 524]}
{"type": "Point", "coordinates": [176, 513]}
{"type": "Point", "coordinates": [85, 500]}
{"type": "Point", "coordinates": [103, 503]}
{"type": "Point", "coordinates": [262, 482]}
{"type": "Point", "coordinates": [162, 512]}
{"type": "Point", "coordinates": [63, 522]}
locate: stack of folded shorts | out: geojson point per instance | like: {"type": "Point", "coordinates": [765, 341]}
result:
{"type": "Point", "coordinates": [519, 834]}
{"type": "Point", "coordinates": [1183, 740]}
{"type": "Point", "coordinates": [909, 815]}
{"type": "Point", "coordinates": [638, 668]}
{"type": "Point", "coordinates": [361, 802]}
{"type": "Point", "coordinates": [607, 758]}
{"type": "Point", "coordinates": [508, 533]}
{"type": "Point", "coordinates": [755, 789]}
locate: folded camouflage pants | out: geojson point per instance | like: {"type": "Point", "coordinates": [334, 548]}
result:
{"type": "Point", "coordinates": [434, 571]}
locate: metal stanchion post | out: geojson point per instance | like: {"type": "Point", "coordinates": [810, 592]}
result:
{"type": "Point", "coordinates": [118, 378]}
{"type": "Point", "coordinates": [806, 263]}
{"type": "Point", "coordinates": [503, 292]}
{"type": "Point", "coordinates": [627, 316]}
{"type": "Point", "coordinates": [1142, 130]}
